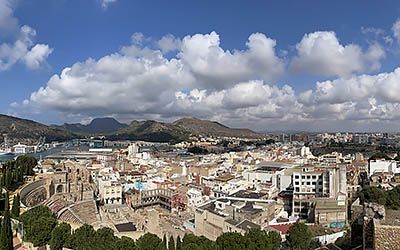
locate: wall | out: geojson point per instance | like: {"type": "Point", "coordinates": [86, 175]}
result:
{"type": "Point", "coordinates": [386, 237]}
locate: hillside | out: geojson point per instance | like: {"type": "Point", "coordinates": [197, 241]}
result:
{"type": "Point", "coordinates": [151, 131]}
{"type": "Point", "coordinates": [105, 125]}
{"type": "Point", "coordinates": [17, 128]}
{"type": "Point", "coordinates": [157, 131]}
{"type": "Point", "coordinates": [212, 128]}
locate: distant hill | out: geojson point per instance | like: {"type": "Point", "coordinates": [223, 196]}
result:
{"type": "Point", "coordinates": [179, 130]}
{"type": "Point", "coordinates": [151, 131]}
{"type": "Point", "coordinates": [105, 125]}
{"type": "Point", "coordinates": [155, 131]}
{"type": "Point", "coordinates": [17, 128]}
{"type": "Point", "coordinates": [212, 128]}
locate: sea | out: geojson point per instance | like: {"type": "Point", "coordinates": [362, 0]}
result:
{"type": "Point", "coordinates": [38, 155]}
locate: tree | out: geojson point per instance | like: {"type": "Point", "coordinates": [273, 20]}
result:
{"type": "Point", "coordinates": [275, 240]}
{"type": "Point", "coordinates": [232, 241]}
{"type": "Point", "coordinates": [372, 194]}
{"type": "Point", "coordinates": [38, 224]}
{"type": "Point", "coordinates": [60, 236]}
{"type": "Point", "coordinates": [164, 240]}
{"type": "Point", "coordinates": [26, 164]}
{"type": "Point", "coordinates": [192, 246]}
{"type": "Point", "coordinates": [201, 242]}
{"type": "Point", "coordinates": [148, 242]}
{"type": "Point", "coordinates": [393, 198]}
{"type": "Point", "coordinates": [6, 236]}
{"type": "Point", "coordinates": [299, 237]}
{"type": "Point", "coordinates": [161, 246]}
{"type": "Point", "coordinates": [379, 155]}
{"type": "Point", "coordinates": [41, 231]}
{"type": "Point", "coordinates": [171, 243]}
{"type": "Point", "coordinates": [125, 243]}
{"type": "Point", "coordinates": [256, 239]}
{"type": "Point", "coordinates": [15, 206]}
{"type": "Point", "coordinates": [105, 239]}
{"type": "Point", "coordinates": [178, 243]}
{"type": "Point", "coordinates": [83, 238]}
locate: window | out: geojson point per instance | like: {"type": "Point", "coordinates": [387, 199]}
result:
{"type": "Point", "coordinates": [296, 177]}
{"type": "Point", "coordinates": [314, 183]}
{"type": "Point", "coordinates": [308, 177]}
{"type": "Point", "coordinates": [308, 183]}
{"type": "Point", "coordinates": [303, 177]}
{"type": "Point", "coordinates": [297, 189]}
{"type": "Point", "coordinates": [296, 183]}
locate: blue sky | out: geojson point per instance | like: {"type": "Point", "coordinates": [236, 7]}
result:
{"type": "Point", "coordinates": [268, 92]}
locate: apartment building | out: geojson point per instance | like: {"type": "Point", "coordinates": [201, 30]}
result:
{"type": "Point", "coordinates": [311, 182]}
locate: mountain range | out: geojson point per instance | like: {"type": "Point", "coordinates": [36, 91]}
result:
{"type": "Point", "coordinates": [96, 126]}
{"type": "Point", "coordinates": [23, 129]}
{"type": "Point", "coordinates": [111, 128]}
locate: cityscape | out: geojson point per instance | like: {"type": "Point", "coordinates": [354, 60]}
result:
{"type": "Point", "coordinates": [201, 125]}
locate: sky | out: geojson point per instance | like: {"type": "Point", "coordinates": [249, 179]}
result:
{"type": "Point", "coordinates": [265, 65]}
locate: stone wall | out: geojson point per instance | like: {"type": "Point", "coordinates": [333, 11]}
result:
{"type": "Point", "coordinates": [386, 237]}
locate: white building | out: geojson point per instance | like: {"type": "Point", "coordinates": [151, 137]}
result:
{"type": "Point", "coordinates": [273, 177]}
{"type": "Point", "coordinates": [110, 190]}
{"type": "Point", "coordinates": [133, 149]}
{"type": "Point", "coordinates": [311, 182]}
{"type": "Point", "coordinates": [20, 149]}
{"type": "Point", "coordinates": [195, 197]}
{"type": "Point", "coordinates": [382, 166]}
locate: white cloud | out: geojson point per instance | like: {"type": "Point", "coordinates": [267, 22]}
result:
{"type": "Point", "coordinates": [320, 53]}
{"type": "Point", "coordinates": [37, 55]}
{"type": "Point", "coordinates": [8, 23]}
{"type": "Point", "coordinates": [140, 80]}
{"type": "Point", "coordinates": [217, 68]}
{"type": "Point", "coordinates": [396, 30]}
{"type": "Point", "coordinates": [364, 97]}
{"type": "Point", "coordinates": [372, 30]}
{"type": "Point", "coordinates": [117, 83]}
{"type": "Point", "coordinates": [22, 49]}
{"type": "Point", "coordinates": [207, 81]}
{"type": "Point", "coordinates": [106, 3]}
{"type": "Point", "coordinates": [169, 43]}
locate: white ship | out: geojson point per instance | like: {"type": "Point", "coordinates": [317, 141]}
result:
{"type": "Point", "coordinates": [5, 152]}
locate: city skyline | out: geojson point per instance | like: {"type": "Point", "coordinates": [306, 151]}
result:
{"type": "Point", "coordinates": [265, 66]}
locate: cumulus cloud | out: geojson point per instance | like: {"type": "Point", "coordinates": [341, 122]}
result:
{"type": "Point", "coordinates": [364, 97]}
{"type": "Point", "coordinates": [321, 53]}
{"type": "Point", "coordinates": [169, 43]}
{"type": "Point", "coordinates": [37, 55]}
{"type": "Point", "coordinates": [141, 80]}
{"type": "Point", "coordinates": [204, 80]}
{"type": "Point", "coordinates": [119, 83]}
{"type": "Point", "coordinates": [252, 100]}
{"type": "Point", "coordinates": [217, 68]}
{"type": "Point", "coordinates": [22, 49]}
